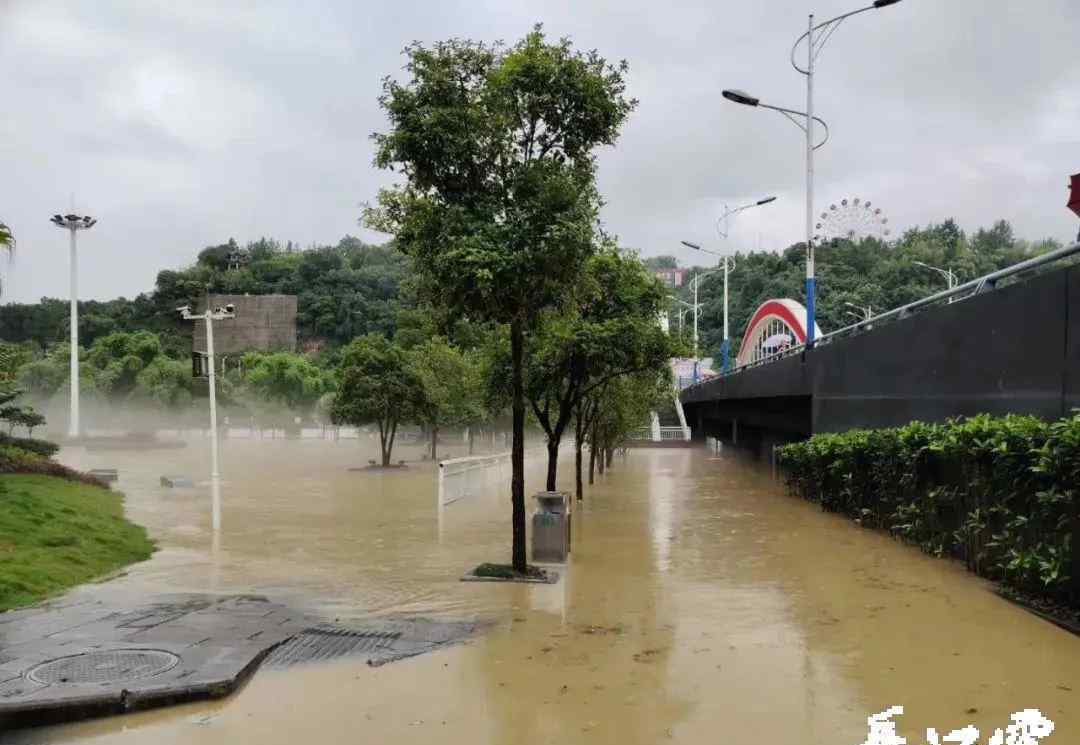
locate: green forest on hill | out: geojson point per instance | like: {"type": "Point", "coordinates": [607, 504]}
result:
{"type": "Point", "coordinates": [138, 350]}
{"type": "Point", "coordinates": [869, 272]}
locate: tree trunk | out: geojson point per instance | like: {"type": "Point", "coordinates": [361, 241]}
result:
{"type": "Point", "coordinates": [592, 458]}
{"type": "Point", "coordinates": [610, 456]}
{"type": "Point", "coordinates": [579, 431]}
{"type": "Point", "coordinates": [435, 443]}
{"type": "Point", "coordinates": [388, 443]}
{"type": "Point", "coordinates": [600, 460]}
{"type": "Point", "coordinates": [553, 462]}
{"type": "Point", "coordinates": [517, 451]}
{"type": "Point", "coordinates": [578, 489]}
{"type": "Point", "coordinates": [470, 430]}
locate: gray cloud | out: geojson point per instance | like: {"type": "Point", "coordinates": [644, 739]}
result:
{"type": "Point", "coordinates": [183, 124]}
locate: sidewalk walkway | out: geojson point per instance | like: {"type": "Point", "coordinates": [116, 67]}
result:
{"type": "Point", "coordinates": [75, 659]}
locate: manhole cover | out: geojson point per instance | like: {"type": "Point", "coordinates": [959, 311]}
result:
{"type": "Point", "coordinates": [104, 667]}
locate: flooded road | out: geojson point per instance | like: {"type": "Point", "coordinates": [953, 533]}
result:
{"type": "Point", "coordinates": [701, 605]}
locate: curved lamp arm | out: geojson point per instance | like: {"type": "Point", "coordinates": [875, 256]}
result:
{"type": "Point", "coordinates": [834, 23]}
{"type": "Point", "coordinates": [791, 114]}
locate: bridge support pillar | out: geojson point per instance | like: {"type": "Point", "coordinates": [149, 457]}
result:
{"type": "Point", "coordinates": [734, 431]}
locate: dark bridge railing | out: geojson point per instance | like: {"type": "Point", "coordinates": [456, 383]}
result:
{"type": "Point", "coordinates": [956, 294]}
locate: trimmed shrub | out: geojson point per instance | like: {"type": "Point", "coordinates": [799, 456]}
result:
{"type": "Point", "coordinates": [999, 493]}
{"type": "Point", "coordinates": [40, 447]}
{"type": "Point", "coordinates": [17, 460]}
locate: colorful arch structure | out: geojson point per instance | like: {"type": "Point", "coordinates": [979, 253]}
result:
{"type": "Point", "coordinates": [776, 326]}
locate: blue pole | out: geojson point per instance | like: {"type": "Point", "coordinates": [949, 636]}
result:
{"type": "Point", "coordinates": [725, 355]}
{"type": "Point", "coordinates": [811, 311]}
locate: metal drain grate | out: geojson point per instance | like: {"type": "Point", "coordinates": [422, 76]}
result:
{"type": "Point", "coordinates": [104, 667]}
{"type": "Point", "coordinates": [329, 642]}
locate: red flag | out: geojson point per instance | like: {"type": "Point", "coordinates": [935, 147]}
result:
{"type": "Point", "coordinates": [1074, 194]}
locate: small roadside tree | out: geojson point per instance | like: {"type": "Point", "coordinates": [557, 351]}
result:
{"type": "Point", "coordinates": [291, 380]}
{"type": "Point", "coordinates": [620, 407]}
{"type": "Point", "coordinates": [609, 329]}
{"type": "Point", "coordinates": [498, 211]}
{"type": "Point", "coordinates": [376, 384]}
{"type": "Point", "coordinates": [450, 385]}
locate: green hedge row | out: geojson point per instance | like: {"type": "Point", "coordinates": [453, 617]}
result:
{"type": "Point", "coordinates": [40, 447]}
{"type": "Point", "coordinates": [17, 460]}
{"type": "Point", "coordinates": [1000, 493]}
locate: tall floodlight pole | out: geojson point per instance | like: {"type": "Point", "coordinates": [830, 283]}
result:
{"type": "Point", "coordinates": [217, 314]}
{"type": "Point", "coordinates": [816, 37]}
{"type": "Point", "coordinates": [73, 224]}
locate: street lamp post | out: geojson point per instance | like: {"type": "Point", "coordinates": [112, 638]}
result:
{"type": "Point", "coordinates": [816, 37]}
{"type": "Point", "coordinates": [73, 224]}
{"type": "Point", "coordinates": [948, 274]}
{"type": "Point", "coordinates": [725, 347]}
{"type": "Point", "coordinates": [217, 314]}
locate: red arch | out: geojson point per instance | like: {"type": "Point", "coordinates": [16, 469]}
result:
{"type": "Point", "coordinates": [781, 311]}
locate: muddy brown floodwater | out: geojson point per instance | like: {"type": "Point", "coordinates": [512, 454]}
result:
{"type": "Point", "coordinates": [701, 605]}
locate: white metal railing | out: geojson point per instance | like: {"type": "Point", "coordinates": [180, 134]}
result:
{"type": "Point", "coordinates": [672, 433]}
{"type": "Point", "coordinates": [956, 294]}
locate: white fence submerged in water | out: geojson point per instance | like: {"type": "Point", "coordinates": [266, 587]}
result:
{"type": "Point", "coordinates": [464, 477]}
{"type": "Point", "coordinates": [470, 475]}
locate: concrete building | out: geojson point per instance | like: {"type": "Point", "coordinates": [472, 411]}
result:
{"type": "Point", "coordinates": [671, 277]}
{"type": "Point", "coordinates": [263, 322]}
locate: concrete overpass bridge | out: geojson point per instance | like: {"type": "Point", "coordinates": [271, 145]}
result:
{"type": "Point", "coordinates": [1005, 343]}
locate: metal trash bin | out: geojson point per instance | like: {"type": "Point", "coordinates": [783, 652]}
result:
{"type": "Point", "coordinates": [551, 527]}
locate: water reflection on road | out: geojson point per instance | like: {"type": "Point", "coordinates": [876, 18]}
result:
{"type": "Point", "coordinates": [701, 605]}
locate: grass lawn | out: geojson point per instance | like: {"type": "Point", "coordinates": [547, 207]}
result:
{"type": "Point", "coordinates": [56, 533]}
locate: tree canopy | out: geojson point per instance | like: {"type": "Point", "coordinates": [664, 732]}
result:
{"type": "Point", "coordinates": [376, 384]}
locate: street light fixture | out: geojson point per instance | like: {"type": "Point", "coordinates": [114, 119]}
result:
{"type": "Point", "coordinates": [73, 224]}
{"type": "Point", "coordinates": [863, 312]}
{"type": "Point", "coordinates": [695, 282]}
{"type": "Point", "coordinates": [217, 314]}
{"type": "Point", "coordinates": [725, 347]}
{"type": "Point", "coordinates": [948, 274]}
{"type": "Point", "coordinates": [817, 36]}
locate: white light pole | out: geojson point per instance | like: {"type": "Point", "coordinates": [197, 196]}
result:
{"type": "Point", "coordinates": [73, 224]}
{"type": "Point", "coordinates": [725, 347]}
{"type": "Point", "coordinates": [696, 282]}
{"type": "Point", "coordinates": [948, 274]}
{"type": "Point", "coordinates": [217, 314]}
{"type": "Point", "coordinates": [816, 37]}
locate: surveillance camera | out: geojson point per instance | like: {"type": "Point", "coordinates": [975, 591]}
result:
{"type": "Point", "coordinates": [230, 308]}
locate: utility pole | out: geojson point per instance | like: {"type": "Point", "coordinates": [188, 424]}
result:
{"type": "Point", "coordinates": [217, 314]}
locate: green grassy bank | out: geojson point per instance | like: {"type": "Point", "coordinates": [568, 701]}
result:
{"type": "Point", "coordinates": [56, 533]}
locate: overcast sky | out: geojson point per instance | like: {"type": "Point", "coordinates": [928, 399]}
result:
{"type": "Point", "coordinates": [182, 124]}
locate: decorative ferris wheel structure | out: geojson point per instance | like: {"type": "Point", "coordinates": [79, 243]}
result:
{"type": "Point", "coordinates": [851, 219]}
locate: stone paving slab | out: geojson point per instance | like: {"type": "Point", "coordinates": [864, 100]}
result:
{"type": "Point", "coordinates": [59, 661]}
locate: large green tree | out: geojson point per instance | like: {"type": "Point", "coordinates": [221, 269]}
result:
{"type": "Point", "coordinates": [376, 385]}
{"type": "Point", "coordinates": [498, 206]}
